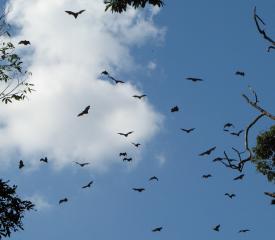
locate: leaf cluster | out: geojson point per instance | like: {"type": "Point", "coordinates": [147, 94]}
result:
{"type": "Point", "coordinates": [12, 209]}
{"type": "Point", "coordinates": [13, 76]}
{"type": "Point", "coordinates": [264, 153]}
{"type": "Point", "coordinates": [120, 6]}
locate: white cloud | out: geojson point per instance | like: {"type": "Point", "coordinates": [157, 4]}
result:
{"type": "Point", "coordinates": [66, 58]}
{"type": "Point", "coordinates": [151, 65]}
{"type": "Point", "coordinates": [161, 159]}
{"type": "Point", "coordinates": [40, 202]}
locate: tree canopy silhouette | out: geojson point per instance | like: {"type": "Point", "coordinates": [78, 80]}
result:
{"type": "Point", "coordinates": [13, 76]}
{"type": "Point", "coordinates": [120, 6]}
{"type": "Point", "coordinates": [264, 153]}
{"type": "Point", "coordinates": [12, 210]}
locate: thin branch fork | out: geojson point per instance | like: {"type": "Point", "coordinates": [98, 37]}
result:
{"type": "Point", "coordinates": [255, 105]}
{"type": "Point", "coordinates": [262, 31]}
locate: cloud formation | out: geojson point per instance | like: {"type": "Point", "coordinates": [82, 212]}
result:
{"type": "Point", "coordinates": [152, 65]}
{"type": "Point", "coordinates": [161, 158]}
{"type": "Point", "coordinates": [41, 204]}
{"type": "Point", "coordinates": [66, 57]}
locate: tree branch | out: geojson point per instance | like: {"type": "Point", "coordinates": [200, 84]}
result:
{"type": "Point", "coordinates": [255, 105]}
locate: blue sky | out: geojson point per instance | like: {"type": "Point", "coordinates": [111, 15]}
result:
{"type": "Point", "coordinates": [210, 40]}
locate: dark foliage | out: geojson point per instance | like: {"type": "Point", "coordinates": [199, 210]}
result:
{"type": "Point", "coordinates": [264, 153]}
{"type": "Point", "coordinates": [120, 6]}
{"type": "Point", "coordinates": [12, 210]}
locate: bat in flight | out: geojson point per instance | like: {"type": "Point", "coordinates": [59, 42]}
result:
{"type": "Point", "coordinates": [124, 154]}
{"type": "Point", "coordinates": [158, 229]}
{"type": "Point", "coordinates": [244, 230]}
{"type": "Point", "coordinates": [88, 185]}
{"type": "Point", "coordinates": [139, 189]}
{"type": "Point", "coordinates": [188, 130]}
{"type": "Point", "coordinates": [206, 176]}
{"type": "Point", "coordinates": [193, 79]}
{"type": "Point", "coordinates": [207, 152]}
{"type": "Point", "coordinates": [270, 194]}
{"type": "Point", "coordinates": [21, 164]}
{"type": "Point", "coordinates": [125, 134]}
{"type": "Point", "coordinates": [240, 73]}
{"type": "Point", "coordinates": [228, 125]}
{"type": "Point", "coordinates": [75, 14]}
{"type": "Point", "coordinates": [25, 42]}
{"type": "Point", "coordinates": [139, 96]}
{"type": "Point", "coordinates": [217, 228]}
{"type": "Point", "coordinates": [82, 164]}
{"type": "Point", "coordinates": [85, 111]}
{"type": "Point", "coordinates": [127, 159]}
{"type": "Point", "coordinates": [153, 178]}
{"type": "Point", "coordinates": [45, 160]}
{"type": "Point", "coordinates": [217, 159]}
{"type": "Point", "coordinates": [230, 195]}
{"type": "Point", "coordinates": [63, 200]}
{"type": "Point", "coordinates": [237, 133]}
{"type": "Point", "coordinates": [105, 73]}
{"type": "Point", "coordinates": [174, 109]}
{"type": "Point", "coordinates": [136, 144]}
{"type": "Point", "coordinates": [115, 80]}
{"type": "Point", "coordinates": [270, 47]}
{"type": "Point", "coordinates": [240, 177]}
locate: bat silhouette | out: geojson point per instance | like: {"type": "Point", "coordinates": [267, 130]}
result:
{"type": "Point", "coordinates": [230, 195]}
{"type": "Point", "coordinates": [158, 229]}
{"type": "Point", "coordinates": [45, 160]}
{"type": "Point", "coordinates": [139, 189]}
{"type": "Point", "coordinates": [21, 164]}
{"type": "Point", "coordinates": [88, 185]}
{"type": "Point", "coordinates": [228, 125]}
{"type": "Point", "coordinates": [136, 144]}
{"type": "Point", "coordinates": [125, 134]}
{"type": "Point", "coordinates": [75, 14]}
{"type": "Point", "coordinates": [206, 176]}
{"type": "Point", "coordinates": [240, 73]}
{"type": "Point", "coordinates": [115, 80]}
{"type": "Point", "coordinates": [175, 109]}
{"type": "Point", "coordinates": [188, 130]}
{"type": "Point", "coordinates": [240, 177]}
{"type": "Point", "coordinates": [217, 159]}
{"type": "Point", "coordinates": [105, 73]}
{"type": "Point", "coordinates": [270, 47]}
{"type": "Point", "coordinates": [123, 154]}
{"type": "Point", "coordinates": [237, 133]}
{"type": "Point", "coordinates": [193, 79]}
{"type": "Point", "coordinates": [207, 152]}
{"type": "Point", "coordinates": [217, 228]}
{"type": "Point", "coordinates": [85, 111]}
{"type": "Point", "coordinates": [244, 230]}
{"type": "Point", "coordinates": [25, 42]}
{"type": "Point", "coordinates": [127, 159]}
{"type": "Point", "coordinates": [153, 178]}
{"type": "Point", "coordinates": [63, 200]}
{"type": "Point", "coordinates": [139, 96]}
{"type": "Point", "coordinates": [270, 194]}
{"type": "Point", "coordinates": [82, 164]}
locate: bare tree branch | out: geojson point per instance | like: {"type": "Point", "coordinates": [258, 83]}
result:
{"type": "Point", "coordinates": [255, 105]}
{"type": "Point", "coordinates": [262, 31]}
{"type": "Point", "coordinates": [247, 131]}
